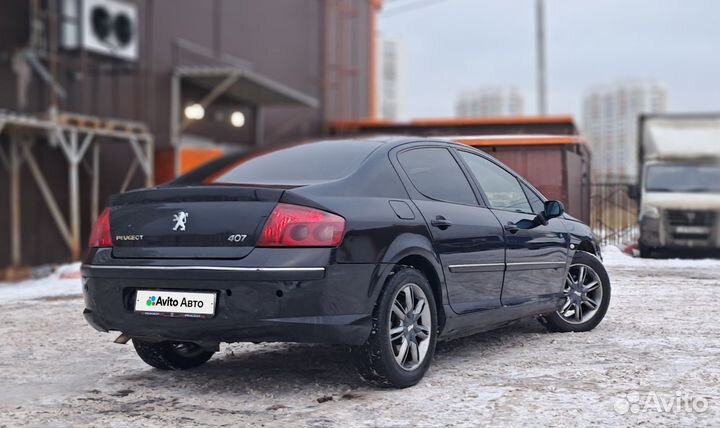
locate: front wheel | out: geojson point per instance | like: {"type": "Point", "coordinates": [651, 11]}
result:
{"type": "Point", "coordinates": [402, 342]}
{"type": "Point", "coordinates": [587, 296]}
{"type": "Point", "coordinates": [171, 355]}
{"type": "Point", "coordinates": [645, 252]}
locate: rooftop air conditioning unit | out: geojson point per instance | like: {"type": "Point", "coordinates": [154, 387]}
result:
{"type": "Point", "coordinates": [105, 27]}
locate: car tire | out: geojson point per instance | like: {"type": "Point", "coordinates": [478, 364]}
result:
{"type": "Point", "coordinates": [590, 293]}
{"type": "Point", "coordinates": [402, 342]}
{"type": "Point", "coordinates": [645, 252]}
{"type": "Point", "coordinates": [171, 355]}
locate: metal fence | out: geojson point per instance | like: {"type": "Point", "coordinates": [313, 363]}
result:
{"type": "Point", "coordinates": [613, 214]}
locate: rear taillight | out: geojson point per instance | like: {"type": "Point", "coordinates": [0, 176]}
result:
{"type": "Point", "coordinates": [100, 235]}
{"type": "Point", "coordinates": [297, 226]}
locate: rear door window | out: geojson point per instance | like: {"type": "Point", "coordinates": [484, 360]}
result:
{"type": "Point", "coordinates": [435, 173]}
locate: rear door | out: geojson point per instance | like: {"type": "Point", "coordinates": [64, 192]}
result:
{"type": "Point", "coordinates": [467, 236]}
{"type": "Point", "coordinates": [536, 258]}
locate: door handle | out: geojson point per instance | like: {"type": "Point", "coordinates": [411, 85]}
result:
{"type": "Point", "coordinates": [441, 222]}
{"type": "Point", "coordinates": [511, 227]}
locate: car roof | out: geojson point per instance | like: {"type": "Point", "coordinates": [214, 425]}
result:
{"type": "Point", "coordinates": [396, 140]}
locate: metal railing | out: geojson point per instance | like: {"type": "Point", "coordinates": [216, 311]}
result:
{"type": "Point", "coordinates": [613, 214]}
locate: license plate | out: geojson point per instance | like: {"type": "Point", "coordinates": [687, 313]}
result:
{"type": "Point", "coordinates": [693, 230]}
{"type": "Point", "coordinates": [175, 303]}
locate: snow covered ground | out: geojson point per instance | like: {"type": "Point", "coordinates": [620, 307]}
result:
{"type": "Point", "coordinates": [612, 256]}
{"type": "Point", "coordinates": [63, 282]}
{"type": "Point", "coordinates": [658, 346]}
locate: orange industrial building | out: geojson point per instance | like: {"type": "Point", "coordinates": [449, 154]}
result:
{"type": "Point", "coordinates": [87, 110]}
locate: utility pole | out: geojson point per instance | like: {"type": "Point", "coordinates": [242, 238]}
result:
{"type": "Point", "coordinates": [540, 54]}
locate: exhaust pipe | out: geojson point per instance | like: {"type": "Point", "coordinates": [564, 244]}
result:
{"type": "Point", "coordinates": [123, 339]}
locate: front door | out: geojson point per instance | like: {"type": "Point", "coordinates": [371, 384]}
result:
{"type": "Point", "coordinates": [536, 258]}
{"type": "Point", "coordinates": [466, 235]}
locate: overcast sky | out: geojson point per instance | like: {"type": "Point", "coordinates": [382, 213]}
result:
{"type": "Point", "coordinates": [452, 45]}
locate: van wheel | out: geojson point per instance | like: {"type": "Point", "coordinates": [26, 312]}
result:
{"type": "Point", "coordinates": [171, 355]}
{"type": "Point", "coordinates": [404, 333]}
{"type": "Point", "coordinates": [587, 296]}
{"type": "Point", "coordinates": [645, 252]}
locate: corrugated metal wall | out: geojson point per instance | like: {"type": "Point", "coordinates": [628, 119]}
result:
{"type": "Point", "coordinates": [284, 40]}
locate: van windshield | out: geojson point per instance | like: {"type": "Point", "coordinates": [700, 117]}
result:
{"type": "Point", "coordinates": [683, 178]}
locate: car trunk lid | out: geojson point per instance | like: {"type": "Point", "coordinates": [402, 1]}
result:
{"type": "Point", "coordinates": [190, 222]}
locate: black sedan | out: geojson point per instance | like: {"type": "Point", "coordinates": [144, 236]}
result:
{"type": "Point", "coordinates": [387, 245]}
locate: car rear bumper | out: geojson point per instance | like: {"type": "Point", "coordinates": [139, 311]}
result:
{"type": "Point", "coordinates": [327, 304]}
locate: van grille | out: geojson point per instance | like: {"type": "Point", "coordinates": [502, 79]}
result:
{"type": "Point", "coordinates": [684, 227]}
{"type": "Point", "coordinates": [690, 218]}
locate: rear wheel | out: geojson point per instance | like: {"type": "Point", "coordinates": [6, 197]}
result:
{"type": "Point", "coordinates": [587, 296]}
{"type": "Point", "coordinates": [171, 355]}
{"type": "Point", "coordinates": [402, 343]}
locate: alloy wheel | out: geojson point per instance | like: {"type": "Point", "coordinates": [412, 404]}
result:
{"type": "Point", "coordinates": [583, 294]}
{"type": "Point", "coordinates": [410, 326]}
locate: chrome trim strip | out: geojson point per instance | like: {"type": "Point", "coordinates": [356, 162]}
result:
{"type": "Point", "coordinates": [487, 265]}
{"type": "Point", "coordinates": [473, 265]}
{"type": "Point", "coordinates": [537, 263]}
{"type": "Point", "coordinates": [209, 268]}
{"type": "Point", "coordinates": [503, 264]}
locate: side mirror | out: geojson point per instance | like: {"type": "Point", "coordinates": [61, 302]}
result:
{"type": "Point", "coordinates": [633, 192]}
{"type": "Point", "coordinates": [553, 209]}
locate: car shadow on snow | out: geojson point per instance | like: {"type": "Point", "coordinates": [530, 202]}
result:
{"type": "Point", "coordinates": [279, 368]}
{"type": "Point", "coordinates": [265, 368]}
{"type": "Point", "coordinates": [491, 341]}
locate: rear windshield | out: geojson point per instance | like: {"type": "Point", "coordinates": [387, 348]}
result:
{"type": "Point", "coordinates": [297, 165]}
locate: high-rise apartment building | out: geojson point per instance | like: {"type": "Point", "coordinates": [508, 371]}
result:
{"type": "Point", "coordinates": [610, 115]}
{"type": "Point", "coordinates": [490, 101]}
{"type": "Point", "coordinates": [389, 85]}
